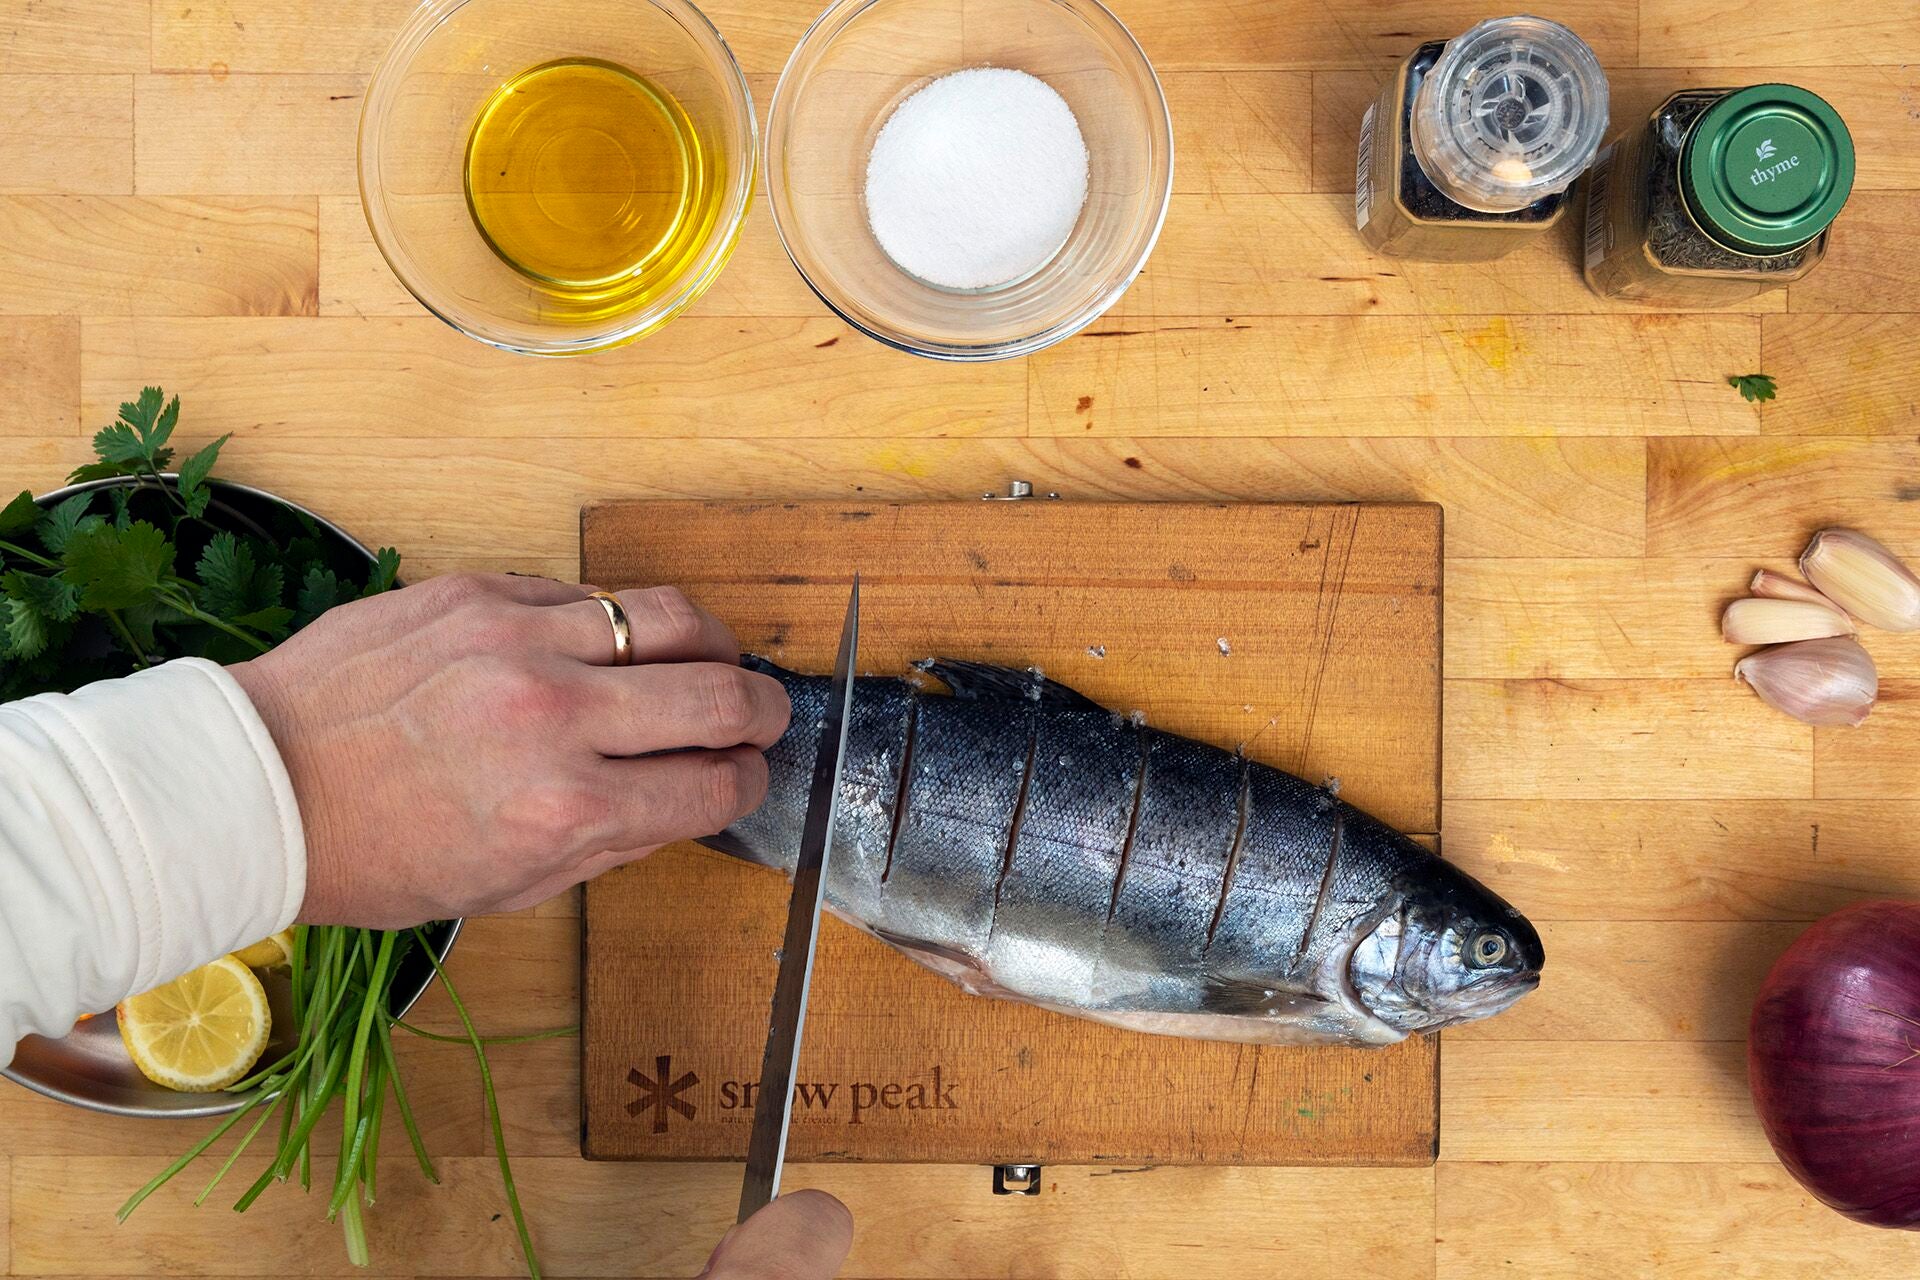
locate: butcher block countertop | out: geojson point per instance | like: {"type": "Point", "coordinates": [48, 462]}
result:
{"type": "Point", "coordinates": [178, 206]}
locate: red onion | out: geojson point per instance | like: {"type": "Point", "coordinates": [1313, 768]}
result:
{"type": "Point", "coordinates": [1833, 1059]}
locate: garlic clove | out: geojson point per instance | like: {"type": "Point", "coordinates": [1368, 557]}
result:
{"type": "Point", "coordinates": [1827, 682]}
{"type": "Point", "coordinates": [1779, 586]}
{"type": "Point", "coordinates": [1760, 621]}
{"type": "Point", "coordinates": [1864, 578]}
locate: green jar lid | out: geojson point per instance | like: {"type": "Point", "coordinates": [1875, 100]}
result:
{"type": "Point", "coordinates": [1766, 169]}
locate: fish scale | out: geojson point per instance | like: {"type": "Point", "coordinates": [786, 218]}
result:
{"type": "Point", "coordinates": [1067, 855]}
{"type": "Point", "coordinates": [1277, 878]}
{"type": "Point", "coordinates": [964, 782]}
{"type": "Point", "coordinates": [877, 734]}
{"type": "Point", "coordinates": [1182, 930]}
{"type": "Point", "coordinates": [1354, 893]}
{"type": "Point", "coordinates": [1188, 815]}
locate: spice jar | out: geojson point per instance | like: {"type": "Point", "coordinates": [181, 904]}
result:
{"type": "Point", "coordinates": [1722, 195]}
{"type": "Point", "coordinates": [1470, 149]}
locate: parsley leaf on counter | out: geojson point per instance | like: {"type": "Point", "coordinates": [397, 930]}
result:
{"type": "Point", "coordinates": [1752, 386]}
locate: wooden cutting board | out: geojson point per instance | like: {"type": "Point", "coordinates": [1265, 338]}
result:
{"type": "Point", "coordinates": [1311, 633]}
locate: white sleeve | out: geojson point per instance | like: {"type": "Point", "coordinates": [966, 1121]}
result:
{"type": "Point", "coordinates": [147, 826]}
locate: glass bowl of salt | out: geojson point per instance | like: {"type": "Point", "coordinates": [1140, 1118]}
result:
{"type": "Point", "coordinates": [969, 179]}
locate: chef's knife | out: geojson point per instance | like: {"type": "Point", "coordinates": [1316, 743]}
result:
{"type": "Point", "coordinates": [773, 1108]}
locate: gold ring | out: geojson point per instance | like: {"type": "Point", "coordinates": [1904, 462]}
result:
{"type": "Point", "coordinates": [622, 629]}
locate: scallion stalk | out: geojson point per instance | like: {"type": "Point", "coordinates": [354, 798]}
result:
{"type": "Point", "coordinates": [344, 1053]}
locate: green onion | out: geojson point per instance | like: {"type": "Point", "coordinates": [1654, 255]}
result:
{"type": "Point", "coordinates": [344, 1054]}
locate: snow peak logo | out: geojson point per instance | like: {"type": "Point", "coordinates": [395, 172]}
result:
{"type": "Point", "coordinates": [857, 1100]}
{"type": "Point", "coordinates": [1764, 152]}
{"type": "Point", "coordinates": [660, 1092]}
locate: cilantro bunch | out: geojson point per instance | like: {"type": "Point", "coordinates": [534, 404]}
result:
{"type": "Point", "coordinates": [119, 578]}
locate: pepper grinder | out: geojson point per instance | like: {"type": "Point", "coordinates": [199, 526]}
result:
{"type": "Point", "coordinates": [1470, 150]}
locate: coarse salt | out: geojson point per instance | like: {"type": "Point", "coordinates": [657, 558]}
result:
{"type": "Point", "coordinates": [977, 179]}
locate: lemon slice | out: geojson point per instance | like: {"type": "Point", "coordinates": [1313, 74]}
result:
{"type": "Point", "coordinates": [268, 953]}
{"type": "Point", "coordinates": [200, 1032]}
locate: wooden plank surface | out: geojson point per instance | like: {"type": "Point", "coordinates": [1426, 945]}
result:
{"type": "Point", "coordinates": [1624, 538]}
{"type": "Point", "coordinates": [1330, 619]}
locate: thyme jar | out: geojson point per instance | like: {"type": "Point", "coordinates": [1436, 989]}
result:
{"type": "Point", "coordinates": [1721, 196]}
{"type": "Point", "coordinates": [1470, 149]}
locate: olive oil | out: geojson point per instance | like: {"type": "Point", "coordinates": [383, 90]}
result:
{"type": "Point", "coordinates": [592, 182]}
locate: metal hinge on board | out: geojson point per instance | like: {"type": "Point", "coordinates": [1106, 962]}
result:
{"type": "Point", "coordinates": [1016, 1179]}
{"type": "Point", "coordinates": [1017, 490]}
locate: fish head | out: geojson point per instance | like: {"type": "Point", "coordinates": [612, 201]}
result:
{"type": "Point", "coordinates": [1449, 951]}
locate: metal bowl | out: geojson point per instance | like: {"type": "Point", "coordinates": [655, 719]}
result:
{"type": "Point", "coordinates": [89, 1067]}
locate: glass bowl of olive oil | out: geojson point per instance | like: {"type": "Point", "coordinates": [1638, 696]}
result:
{"type": "Point", "coordinates": [556, 178]}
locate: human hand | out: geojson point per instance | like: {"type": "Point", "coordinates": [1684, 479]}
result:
{"type": "Point", "coordinates": [804, 1235]}
{"type": "Point", "coordinates": [460, 746]}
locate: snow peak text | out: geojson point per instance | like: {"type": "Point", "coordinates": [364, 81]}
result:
{"type": "Point", "coordinates": [857, 1100]}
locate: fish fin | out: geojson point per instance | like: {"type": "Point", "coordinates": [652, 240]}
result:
{"type": "Point", "coordinates": [951, 963]}
{"type": "Point", "coordinates": [983, 682]}
{"type": "Point", "coordinates": [765, 666]}
{"type": "Point", "coordinates": [1245, 998]}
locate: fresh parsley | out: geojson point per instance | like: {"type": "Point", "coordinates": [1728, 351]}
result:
{"type": "Point", "coordinates": [113, 580]}
{"type": "Point", "coordinates": [1753, 387]}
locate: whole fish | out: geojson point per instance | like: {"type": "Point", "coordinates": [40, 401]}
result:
{"type": "Point", "coordinates": [1027, 843]}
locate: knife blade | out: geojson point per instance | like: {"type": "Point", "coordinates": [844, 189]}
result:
{"type": "Point", "coordinates": [773, 1108]}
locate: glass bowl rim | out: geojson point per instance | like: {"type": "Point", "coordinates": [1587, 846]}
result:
{"type": "Point", "coordinates": [420, 25]}
{"type": "Point", "coordinates": [818, 37]}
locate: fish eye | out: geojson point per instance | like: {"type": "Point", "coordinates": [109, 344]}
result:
{"type": "Point", "coordinates": [1488, 947]}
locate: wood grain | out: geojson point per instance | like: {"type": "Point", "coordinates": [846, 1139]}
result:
{"type": "Point", "coordinates": [1855, 374]}
{"type": "Point", "coordinates": [1305, 34]}
{"type": "Point", "coordinates": [1597, 1100]}
{"type": "Point", "coordinates": [354, 279]}
{"type": "Point", "coordinates": [75, 36]}
{"type": "Point", "coordinates": [1620, 739]}
{"type": "Point", "coordinates": [1395, 375]}
{"type": "Point", "coordinates": [1869, 267]}
{"type": "Point", "coordinates": [1689, 1220]}
{"type": "Point", "coordinates": [1522, 618]}
{"type": "Point", "coordinates": [1764, 499]}
{"type": "Point", "coordinates": [1863, 764]}
{"type": "Point", "coordinates": [39, 380]}
{"type": "Point", "coordinates": [1503, 496]}
{"type": "Point", "coordinates": [1614, 443]}
{"type": "Point", "coordinates": [1262, 255]}
{"type": "Point", "coordinates": [1378, 1218]}
{"type": "Point", "coordinates": [296, 37]}
{"type": "Point", "coordinates": [1334, 647]}
{"type": "Point", "coordinates": [224, 36]}
{"type": "Point", "coordinates": [247, 134]}
{"type": "Point", "coordinates": [66, 134]}
{"type": "Point", "coordinates": [1687, 860]}
{"type": "Point", "coordinates": [1729, 32]}
{"type": "Point", "coordinates": [342, 378]}
{"type": "Point", "coordinates": [1238, 132]}
{"type": "Point", "coordinates": [158, 256]}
